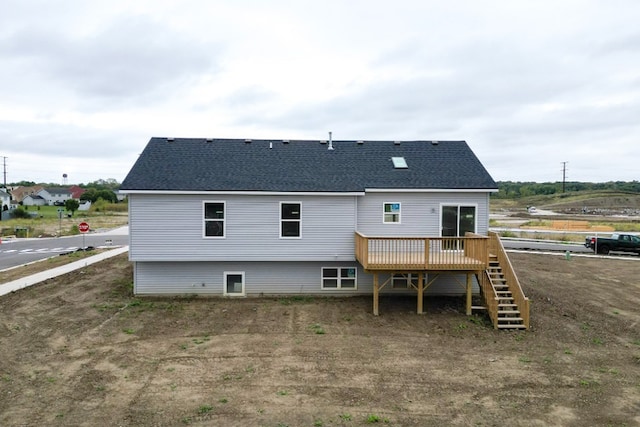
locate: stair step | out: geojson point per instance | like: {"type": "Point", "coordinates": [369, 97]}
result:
{"type": "Point", "coordinates": [507, 305]}
{"type": "Point", "coordinates": [509, 312]}
{"type": "Point", "coordinates": [511, 327]}
{"type": "Point", "coordinates": [478, 307]}
{"type": "Point", "coordinates": [510, 319]}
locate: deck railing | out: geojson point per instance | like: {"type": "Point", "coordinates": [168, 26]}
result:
{"type": "Point", "coordinates": [496, 248]}
{"type": "Point", "coordinates": [422, 253]}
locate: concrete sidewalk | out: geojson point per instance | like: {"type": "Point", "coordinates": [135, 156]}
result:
{"type": "Point", "coordinates": [24, 282]}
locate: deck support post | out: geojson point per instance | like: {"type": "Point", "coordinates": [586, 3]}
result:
{"type": "Point", "coordinates": [469, 293]}
{"type": "Point", "coordinates": [420, 291]}
{"type": "Point", "coordinates": [376, 291]}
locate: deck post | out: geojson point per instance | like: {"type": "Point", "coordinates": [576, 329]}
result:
{"type": "Point", "coordinates": [420, 291]}
{"type": "Point", "coordinates": [469, 289]}
{"type": "Point", "coordinates": [375, 293]}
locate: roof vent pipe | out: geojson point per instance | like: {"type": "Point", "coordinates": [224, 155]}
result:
{"type": "Point", "coordinates": [330, 142]}
{"type": "Point", "coordinates": [270, 145]}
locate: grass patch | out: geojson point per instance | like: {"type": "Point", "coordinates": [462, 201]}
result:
{"type": "Point", "coordinates": [201, 340]}
{"type": "Point", "coordinates": [317, 328]}
{"type": "Point", "coordinates": [587, 383]}
{"type": "Point", "coordinates": [296, 299]}
{"type": "Point", "coordinates": [373, 418]}
{"type": "Point", "coordinates": [205, 409]}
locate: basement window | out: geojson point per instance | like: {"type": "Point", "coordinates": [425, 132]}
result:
{"type": "Point", "coordinates": [403, 281]}
{"type": "Point", "coordinates": [234, 283]}
{"type": "Point", "coordinates": [339, 277]}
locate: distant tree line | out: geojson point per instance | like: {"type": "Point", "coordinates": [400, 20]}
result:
{"type": "Point", "coordinates": [514, 190]}
{"type": "Point", "coordinates": [100, 184]}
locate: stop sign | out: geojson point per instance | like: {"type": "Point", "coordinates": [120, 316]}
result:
{"type": "Point", "coordinates": [83, 227]}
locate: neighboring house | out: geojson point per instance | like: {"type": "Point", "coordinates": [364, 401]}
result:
{"type": "Point", "coordinates": [55, 195]}
{"type": "Point", "coordinates": [34, 200]}
{"type": "Point", "coordinates": [5, 199]}
{"type": "Point", "coordinates": [76, 191]}
{"type": "Point", "coordinates": [272, 217]}
{"type": "Point", "coordinates": [120, 195]}
{"type": "Point", "coordinates": [19, 193]}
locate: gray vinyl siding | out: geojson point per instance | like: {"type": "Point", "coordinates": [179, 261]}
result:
{"type": "Point", "coordinates": [170, 228]}
{"type": "Point", "coordinates": [268, 278]}
{"type": "Point", "coordinates": [420, 212]}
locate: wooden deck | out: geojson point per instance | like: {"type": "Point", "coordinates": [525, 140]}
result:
{"type": "Point", "coordinates": [469, 253]}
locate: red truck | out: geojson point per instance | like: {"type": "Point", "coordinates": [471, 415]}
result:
{"type": "Point", "coordinates": [616, 243]}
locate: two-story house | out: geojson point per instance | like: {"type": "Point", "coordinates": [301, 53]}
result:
{"type": "Point", "coordinates": [235, 217]}
{"type": "Point", "coordinates": [55, 195]}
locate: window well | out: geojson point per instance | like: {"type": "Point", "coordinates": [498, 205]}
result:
{"type": "Point", "coordinates": [399, 163]}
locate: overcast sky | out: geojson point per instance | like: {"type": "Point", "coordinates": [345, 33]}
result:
{"type": "Point", "coordinates": [528, 84]}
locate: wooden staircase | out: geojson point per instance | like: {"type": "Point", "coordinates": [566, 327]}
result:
{"type": "Point", "coordinates": [502, 295]}
{"type": "Point", "coordinates": [508, 315]}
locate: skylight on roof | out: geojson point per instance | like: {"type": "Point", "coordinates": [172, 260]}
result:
{"type": "Point", "coordinates": [399, 163]}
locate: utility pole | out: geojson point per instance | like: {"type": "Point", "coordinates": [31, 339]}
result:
{"type": "Point", "coordinates": [4, 168]}
{"type": "Point", "coordinates": [4, 172]}
{"type": "Point", "coordinates": [564, 175]}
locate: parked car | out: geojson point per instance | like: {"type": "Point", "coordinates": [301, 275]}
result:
{"type": "Point", "coordinates": [616, 243]}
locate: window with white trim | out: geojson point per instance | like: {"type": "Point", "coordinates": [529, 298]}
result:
{"type": "Point", "coordinates": [391, 213]}
{"type": "Point", "coordinates": [234, 283]}
{"type": "Point", "coordinates": [214, 219]}
{"type": "Point", "coordinates": [290, 220]}
{"type": "Point", "coordinates": [339, 278]}
{"type": "Point", "coordinates": [404, 280]}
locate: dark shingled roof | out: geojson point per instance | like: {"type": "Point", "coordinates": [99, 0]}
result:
{"type": "Point", "coordinates": [199, 164]}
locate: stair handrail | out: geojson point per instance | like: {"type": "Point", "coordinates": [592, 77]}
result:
{"type": "Point", "coordinates": [490, 297]}
{"type": "Point", "coordinates": [519, 298]}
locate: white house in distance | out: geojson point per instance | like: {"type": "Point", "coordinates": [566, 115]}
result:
{"type": "Point", "coordinates": [55, 195]}
{"type": "Point", "coordinates": [234, 217]}
{"type": "Point", "coordinates": [34, 200]}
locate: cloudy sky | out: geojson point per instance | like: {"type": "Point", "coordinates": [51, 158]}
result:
{"type": "Point", "coordinates": [529, 84]}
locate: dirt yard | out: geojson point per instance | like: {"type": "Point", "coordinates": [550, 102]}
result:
{"type": "Point", "coordinates": [81, 351]}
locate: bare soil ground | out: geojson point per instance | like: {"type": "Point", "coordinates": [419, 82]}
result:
{"type": "Point", "coordinates": [79, 350]}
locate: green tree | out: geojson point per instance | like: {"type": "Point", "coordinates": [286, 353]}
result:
{"type": "Point", "coordinates": [91, 195]}
{"type": "Point", "coordinates": [107, 195]}
{"type": "Point", "coordinates": [72, 205]}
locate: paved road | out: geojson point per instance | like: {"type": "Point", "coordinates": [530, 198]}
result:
{"type": "Point", "coordinates": [541, 245]}
{"type": "Point", "coordinates": [21, 251]}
